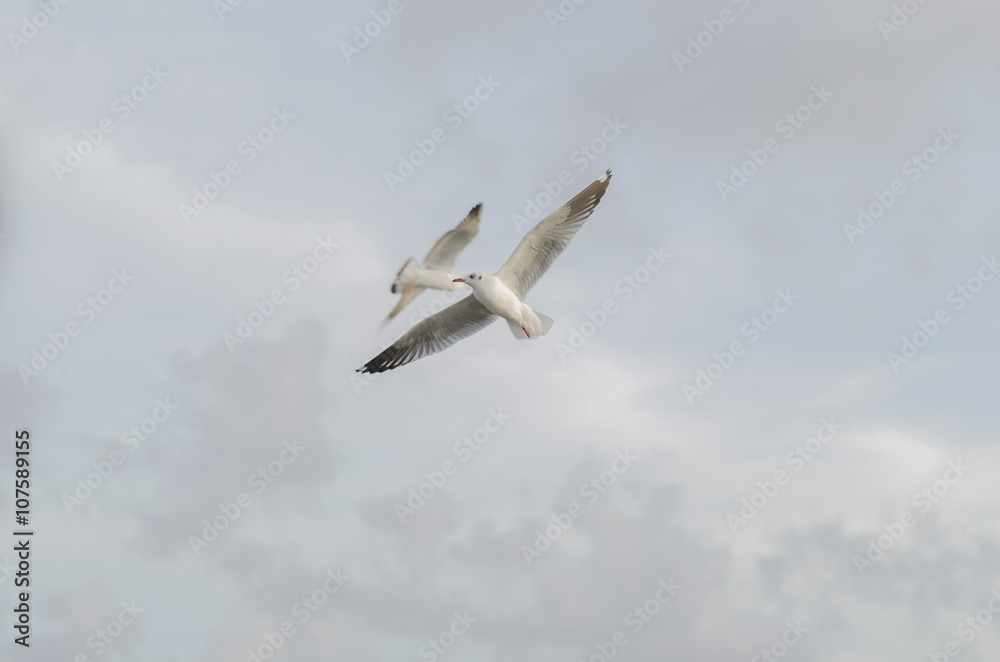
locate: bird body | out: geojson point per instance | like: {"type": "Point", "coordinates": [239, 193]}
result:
{"type": "Point", "coordinates": [417, 276]}
{"type": "Point", "coordinates": [502, 301]}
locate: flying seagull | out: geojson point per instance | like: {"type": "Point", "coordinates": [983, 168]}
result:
{"type": "Point", "coordinates": [436, 269]}
{"type": "Point", "coordinates": [501, 294]}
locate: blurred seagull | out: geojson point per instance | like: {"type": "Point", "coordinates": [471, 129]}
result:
{"type": "Point", "coordinates": [436, 269]}
{"type": "Point", "coordinates": [501, 294]}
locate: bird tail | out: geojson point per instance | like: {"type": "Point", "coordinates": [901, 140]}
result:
{"type": "Point", "coordinates": [405, 276]}
{"type": "Point", "coordinates": [533, 324]}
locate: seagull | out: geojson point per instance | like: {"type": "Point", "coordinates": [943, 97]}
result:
{"type": "Point", "coordinates": [436, 269]}
{"type": "Point", "coordinates": [501, 294]}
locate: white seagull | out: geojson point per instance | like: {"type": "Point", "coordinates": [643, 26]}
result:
{"type": "Point", "coordinates": [436, 270]}
{"type": "Point", "coordinates": [501, 294]}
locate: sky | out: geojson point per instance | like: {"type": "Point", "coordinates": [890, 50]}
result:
{"type": "Point", "coordinates": [758, 429]}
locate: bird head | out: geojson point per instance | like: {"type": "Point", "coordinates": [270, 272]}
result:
{"type": "Point", "coordinates": [472, 280]}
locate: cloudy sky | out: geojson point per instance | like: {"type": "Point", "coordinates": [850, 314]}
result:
{"type": "Point", "coordinates": [779, 440]}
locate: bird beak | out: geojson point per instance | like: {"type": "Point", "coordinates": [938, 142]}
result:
{"type": "Point", "coordinates": [458, 280]}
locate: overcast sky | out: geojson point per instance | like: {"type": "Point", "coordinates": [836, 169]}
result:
{"type": "Point", "coordinates": [165, 168]}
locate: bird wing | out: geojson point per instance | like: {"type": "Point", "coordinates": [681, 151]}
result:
{"type": "Point", "coordinates": [434, 334]}
{"type": "Point", "coordinates": [408, 296]}
{"type": "Point", "coordinates": [442, 256]}
{"type": "Point", "coordinates": [550, 237]}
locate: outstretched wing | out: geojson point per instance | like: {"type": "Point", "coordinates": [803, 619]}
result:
{"type": "Point", "coordinates": [550, 237]}
{"type": "Point", "coordinates": [442, 256]}
{"type": "Point", "coordinates": [408, 296]}
{"type": "Point", "coordinates": [434, 334]}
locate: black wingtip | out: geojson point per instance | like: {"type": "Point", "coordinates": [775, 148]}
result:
{"type": "Point", "coordinates": [372, 367]}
